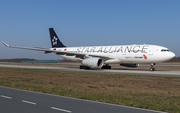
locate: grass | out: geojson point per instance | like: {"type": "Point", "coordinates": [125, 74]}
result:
{"type": "Point", "coordinates": [150, 92]}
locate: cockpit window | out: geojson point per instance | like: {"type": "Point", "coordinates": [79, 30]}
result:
{"type": "Point", "coordinates": [164, 50]}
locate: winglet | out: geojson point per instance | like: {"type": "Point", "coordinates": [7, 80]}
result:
{"type": "Point", "coordinates": [5, 44]}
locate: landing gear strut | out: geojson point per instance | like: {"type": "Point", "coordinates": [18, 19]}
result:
{"type": "Point", "coordinates": [152, 67]}
{"type": "Point", "coordinates": [107, 66]}
{"type": "Point", "coordinates": [84, 67]}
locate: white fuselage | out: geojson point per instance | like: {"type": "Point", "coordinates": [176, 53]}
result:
{"type": "Point", "coordinates": [123, 54]}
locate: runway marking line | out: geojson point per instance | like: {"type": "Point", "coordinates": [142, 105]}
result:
{"type": "Point", "coordinates": [28, 102]}
{"type": "Point", "coordinates": [61, 109]}
{"type": "Point", "coordinates": [85, 100]}
{"type": "Point", "coordinates": [6, 97]}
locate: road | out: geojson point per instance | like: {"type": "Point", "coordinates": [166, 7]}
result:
{"type": "Point", "coordinates": [115, 71]}
{"type": "Point", "coordinates": [22, 101]}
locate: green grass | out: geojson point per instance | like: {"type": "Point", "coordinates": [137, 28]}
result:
{"type": "Point", "coordinates": [156, 93]}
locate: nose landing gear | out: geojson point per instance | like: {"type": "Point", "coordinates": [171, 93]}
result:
{"type": "Point", "coordinates": [152, 67]}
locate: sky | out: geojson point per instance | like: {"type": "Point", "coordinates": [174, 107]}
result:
{"type": "Point", "coordinates": [26, 23]}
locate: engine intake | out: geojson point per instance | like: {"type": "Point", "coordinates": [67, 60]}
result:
{"type": "Point", "coordinates": [93, 62]}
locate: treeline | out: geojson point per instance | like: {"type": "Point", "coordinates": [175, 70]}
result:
{"type": "Point", "coordinates": [175, 59]}
{"type": "Point", "coordinates": [65, 60]}
{"type": "Point", "coordinates": [17, 60]}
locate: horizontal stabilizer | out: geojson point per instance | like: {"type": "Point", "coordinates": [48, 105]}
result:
{"type": "Point", "coordinates": [47, 52]}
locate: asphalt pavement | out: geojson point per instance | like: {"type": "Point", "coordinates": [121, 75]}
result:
{"type": "Point", "coordinates": [114, 71]}
{"type": "Point", "coordinates": [22, 101]}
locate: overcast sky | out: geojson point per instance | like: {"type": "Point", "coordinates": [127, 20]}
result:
{"type": "Point", "coordinates": [87, 23]}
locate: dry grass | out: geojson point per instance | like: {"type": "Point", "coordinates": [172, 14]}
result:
{"type": "Point", "coordinates": [159, 93]}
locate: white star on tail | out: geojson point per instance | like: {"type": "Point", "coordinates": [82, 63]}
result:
{"type": "Point", "coordinates": [54, 41]}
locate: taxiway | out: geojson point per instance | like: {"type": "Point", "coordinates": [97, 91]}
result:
{"type": "Point", "coordinates": [114, 71]}
{"type": "Point", "coordinates": [22, 101]}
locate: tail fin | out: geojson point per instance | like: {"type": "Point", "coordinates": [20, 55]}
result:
{"type": "Point", "coordinates": [54, 39]}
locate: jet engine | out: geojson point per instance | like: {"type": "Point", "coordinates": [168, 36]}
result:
{"type": "Point", "coordinates": [129, 65]}
{"type": "Point", "coordinates": [93, 62]}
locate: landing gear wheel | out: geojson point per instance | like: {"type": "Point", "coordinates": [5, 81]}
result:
{"type": "Point", "coordinates": [83, 67]}
{"type": "Point", "coordinates": [152, 67]}
{"type": "Point", "coordinates": [107, 66]}
{"type": "Point", "coordinates": [87, 67]}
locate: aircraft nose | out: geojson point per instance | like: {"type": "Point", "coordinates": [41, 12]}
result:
{"type": "Point", "coordinates": [168, 56]}
{"type": "Point", "coordinates": [172, 55]}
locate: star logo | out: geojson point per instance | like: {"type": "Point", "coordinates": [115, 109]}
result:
{"type": "Point", "coordinates": [54, 41]}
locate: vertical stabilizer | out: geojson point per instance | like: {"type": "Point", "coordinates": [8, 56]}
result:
{"type": "Point", "coordinates": [56, 43]}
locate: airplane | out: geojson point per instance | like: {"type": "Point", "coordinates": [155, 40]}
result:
{"type": "Point", "coordinates": [103, 56]}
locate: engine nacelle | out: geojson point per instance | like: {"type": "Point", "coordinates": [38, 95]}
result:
{"type": "Point", "coordinates": [129, 65]}
{"type": "Point", "coordinates": [93, 62]}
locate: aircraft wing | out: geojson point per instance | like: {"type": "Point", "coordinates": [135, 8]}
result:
{"type": "Point", "coordinates": [78, 55]}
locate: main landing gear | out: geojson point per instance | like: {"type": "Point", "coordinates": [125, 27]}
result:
{"type": "Point", "coordinates": [84, 67]}
{"type": "Point", "coordinates": [107, 66]}
{"type": "Point", "coordinates": [152, 67]}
